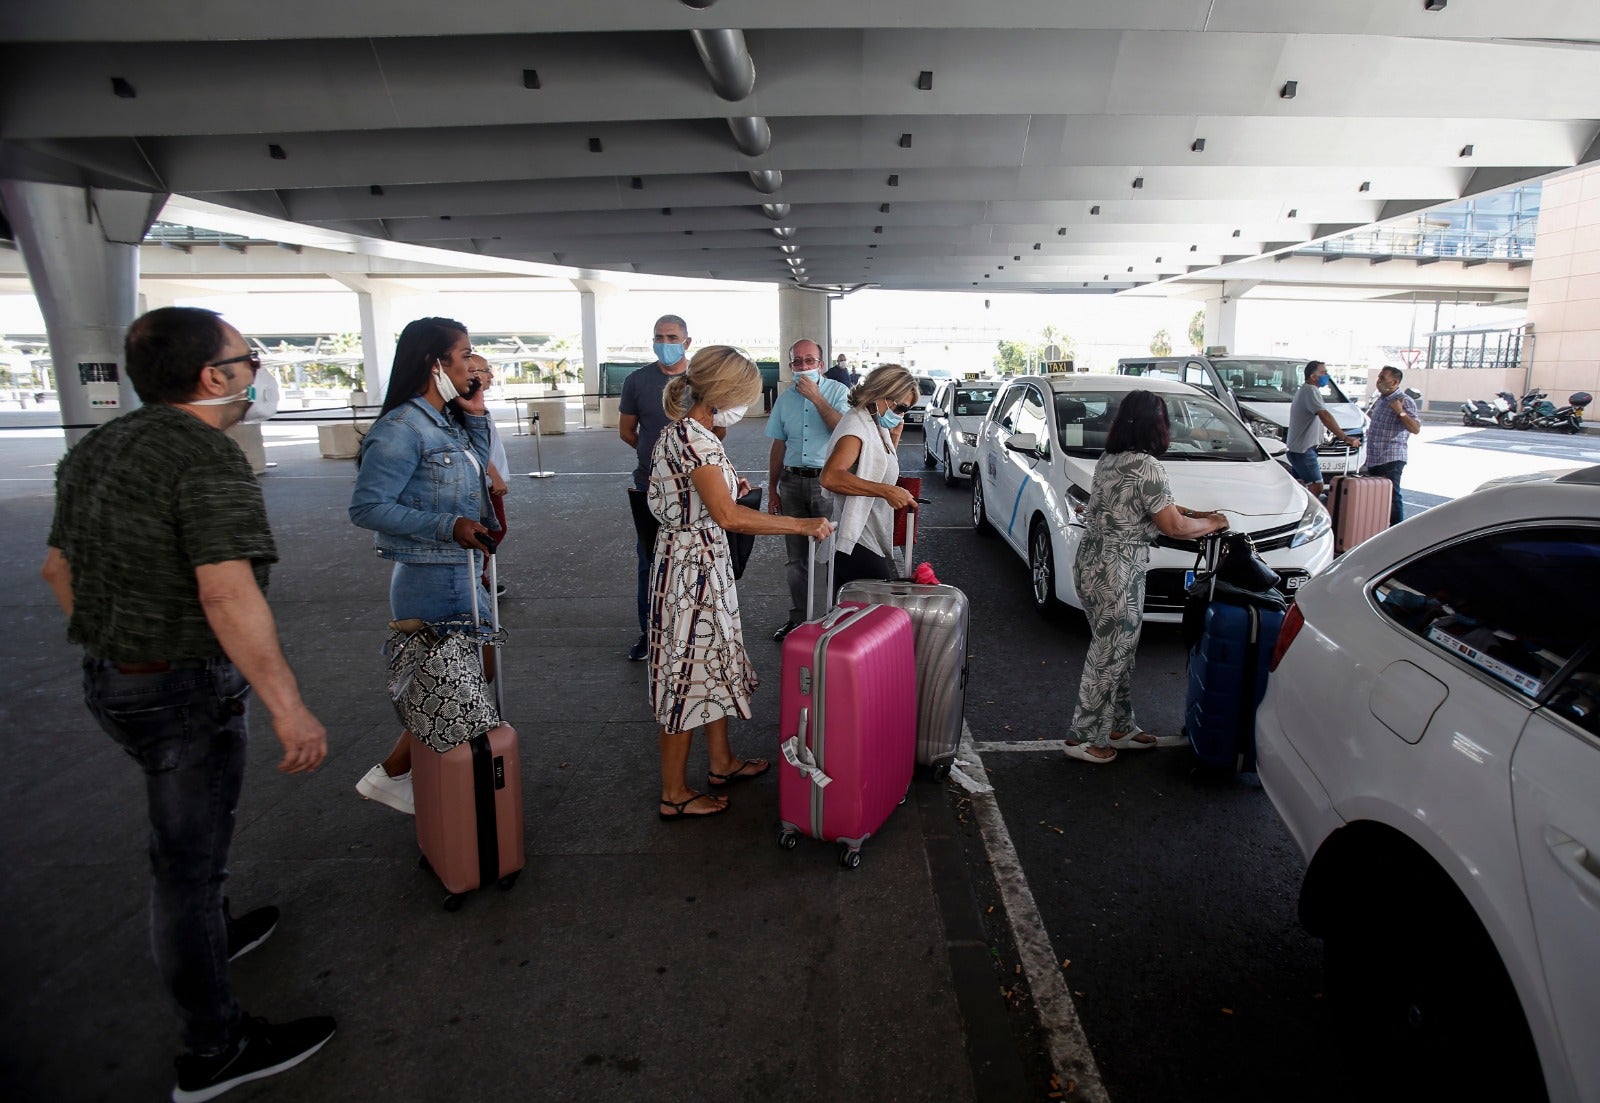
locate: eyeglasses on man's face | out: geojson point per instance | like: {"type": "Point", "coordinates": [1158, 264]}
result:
{"type": "Point", "coordinates": [251, 358]}
{"type": "Point", "coordinates": [805, 362]}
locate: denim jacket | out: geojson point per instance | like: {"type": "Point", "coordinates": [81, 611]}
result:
{"type": "Point", "coordinates": [416, 479]}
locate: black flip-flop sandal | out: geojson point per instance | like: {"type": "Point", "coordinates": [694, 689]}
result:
{"type": "Point", "coordinates": [678, 807]}
{"type": "Point", "coordinates": [719, 781]}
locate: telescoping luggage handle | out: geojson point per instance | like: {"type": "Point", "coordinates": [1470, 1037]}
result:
{"type": "Point", "coordinates": [811, 564]}
{"type": "Point", "coordinates": [474, 574]}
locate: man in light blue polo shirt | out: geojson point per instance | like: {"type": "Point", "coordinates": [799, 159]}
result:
{"type": "Point", "coordinates": [800, 424]}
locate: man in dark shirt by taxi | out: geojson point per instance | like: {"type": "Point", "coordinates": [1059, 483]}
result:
{"type": "Point", "coordinates": [158, 553]}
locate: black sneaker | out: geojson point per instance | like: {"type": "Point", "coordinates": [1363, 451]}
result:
{"type": "Point", "coordinates": [638, 651]}
{"type": "Point", "coordinates": [501, 589]}
{"type": "Point", "coordinates": [249, 930]}
{"type": "Point", "coordinates": [788, 626]}
{"type": "Point", "coordinates": [263, 1050]}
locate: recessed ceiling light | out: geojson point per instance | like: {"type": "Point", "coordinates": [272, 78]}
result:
{"type": "Point", "coordinates": [1095, 209]}
{"type": "Point", "coordinates": [1433, 5]}
{"type": "Point", "coordinates": [877, 229]}
{"type": "Point", "coordinates": [905, 141]}
{"type": "Point", "coordinates": [1062, 232]}
{"type": "Point", "coordinates": [1294, 212]}
{"type": "Point", "coordinates": [1194, 248]}
{"type": "Point", "coordinates": [894, 180]}
{"type": "Point", "coordinates": [1289, 89]}
{"type": "Point", "coordinates": [883, 208]}
{"type": "Point", "coordinates": [925, 80]}
{"type": "Point", "coordinates": [530, 78]}
{"type": "Point", "coordinates": [275, 151]}
{"type": "Point", "coordinates": [1466, 150]}
{"type": "Point", "coordinates": [122, 89]}
{"type": "Point", "coordinates": [1366, 185]}
{"type": "Point", "coordinates": [638, 183]}
{"type": "Point", "coordinates": [1236, 233]}
{"type": "Point", "coordinates": [1036, 246]}
{"type": "Point", "coordinates": [1197, 146]}
{"type": "Point", "coordinates": [1138, 181]}
{"type": "Point", "coordinates": [1017, 257]}
{"type": "Point", "coordinates": [666, 210]}
{"type": "Point", "coordinates": [376, 189]}
{"type": "Point", "coordinates": [444, 218]}
{"type": "Point", "coordinates": [1130, 268]}
{"type": "Point", "coordinates": [594, 145]}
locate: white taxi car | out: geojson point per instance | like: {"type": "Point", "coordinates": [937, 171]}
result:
{"type": "Point", "coordinates": [956, 413]}
{"type": "Point", "coordinates": [1037, 452]}
{"type": "Point", "coordinates": [1431, 736]}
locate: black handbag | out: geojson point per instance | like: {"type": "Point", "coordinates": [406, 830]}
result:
{"type": "Point", "coordinates": [741, 544]}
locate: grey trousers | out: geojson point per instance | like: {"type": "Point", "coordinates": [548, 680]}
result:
{"type": "Point", "coordinates": [800, 497]}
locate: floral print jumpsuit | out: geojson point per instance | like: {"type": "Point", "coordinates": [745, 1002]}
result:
{"type": "Point", "coordinates": [1129, 489]}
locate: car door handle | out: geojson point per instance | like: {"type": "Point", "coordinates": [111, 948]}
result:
{"type": "Point", "coordinates": [1577, 859]}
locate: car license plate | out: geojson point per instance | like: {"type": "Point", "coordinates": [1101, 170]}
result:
{"type": "Point", "coordinates": [1293, 582]}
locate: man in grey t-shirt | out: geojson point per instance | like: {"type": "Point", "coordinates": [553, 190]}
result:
{"type": "Point", "coordinates": [1307, 417]}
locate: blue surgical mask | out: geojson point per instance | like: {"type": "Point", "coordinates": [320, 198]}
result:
{"type": "Point", "coordinates": [667, 353]}
{"type": "Point", "coordinates": [814, 375]}
{"type": "Point", "coordinates": [889, 419]}
{"type": "Point", "coordinates": [1324, 380]}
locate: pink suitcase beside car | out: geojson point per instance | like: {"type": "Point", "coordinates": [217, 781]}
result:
{"type": "Point", "coordinates": [1360, 507]}
{"type": "Point", "coordinates": [847, 726]}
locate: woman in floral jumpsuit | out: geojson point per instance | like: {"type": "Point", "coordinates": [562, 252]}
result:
{"type": "Point", "coordinates": [1129, 504]}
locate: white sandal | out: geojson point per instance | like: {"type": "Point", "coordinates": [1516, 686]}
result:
{"type": "Point", "coordinates": [1130, 741]}
{"type": "Point", "coordinates": [1084, 752]}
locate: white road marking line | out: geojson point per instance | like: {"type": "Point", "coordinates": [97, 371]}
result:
{"type": "Point", "coordinates": [1058, 1016]}
{"type": "Point", "coordinates": [1058, 745]}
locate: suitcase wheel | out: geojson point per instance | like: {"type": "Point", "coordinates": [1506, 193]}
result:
{"type": "Point", "coordinates": [508, 880]}
{"type": "Point", "coordinates": [848, 858]}
{"type": "Point", "coordinates": [942, 770]}
{"type": "Point", "coordinates": [452, 903]}
{"type": "Point", "coordinates": [788, 839]}
{"type": "Point", "coordinates": [423, 863]}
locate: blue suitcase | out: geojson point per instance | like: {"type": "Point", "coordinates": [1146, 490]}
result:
{"type": "Point", "coordinates": [1227, 679]}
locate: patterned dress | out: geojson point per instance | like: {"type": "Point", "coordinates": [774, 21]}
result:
{"type": "Point", "coordinates": [1129, 489]}
{"type": "Point", "coordinates": [699, 671]}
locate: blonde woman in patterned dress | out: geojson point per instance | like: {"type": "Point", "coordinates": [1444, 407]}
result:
{"type": "Point", "coordinates": [699, 672]}
{"type": "Point", "coordinates": [1129, 503]}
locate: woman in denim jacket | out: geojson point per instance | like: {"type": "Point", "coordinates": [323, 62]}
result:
{"type": "Point", "coordinates": [422, 486]}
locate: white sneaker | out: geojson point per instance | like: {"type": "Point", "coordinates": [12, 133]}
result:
{"type": "Point", "coordinates": [393, 791]}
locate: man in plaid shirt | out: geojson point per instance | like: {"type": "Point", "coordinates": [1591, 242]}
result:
{"type": "Point", "coordinates": [1394, 420]}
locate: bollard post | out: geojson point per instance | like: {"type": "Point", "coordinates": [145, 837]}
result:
{"type": "Point", "coordinates": [538, 451]}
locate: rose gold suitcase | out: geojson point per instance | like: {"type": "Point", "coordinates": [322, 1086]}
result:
{"type": "Point", "coordinates": [469, 799]}
{"type": "Point", "coordinates": [1360, 508]}
{"type": "Point", "coordinates": [469, 811]}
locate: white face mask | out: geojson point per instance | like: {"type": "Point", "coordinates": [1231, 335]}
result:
{"type": "Point", "coordinates": [447, 389]}
{"type": "Point", "coordinates": [728, 417]}
{"type": "Point", "coordinates": [262, 395]}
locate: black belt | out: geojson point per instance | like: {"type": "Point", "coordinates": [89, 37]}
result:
{"type": "Point", "coordinates": [805, 472]}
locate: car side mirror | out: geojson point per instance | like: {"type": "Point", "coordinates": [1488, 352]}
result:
{"type": "Point", "coordinates": [1273, 445]}
{"type": "Point", "coordinates": [936, 413]}
{"type": "Point", "coordinates": [1023, 442]}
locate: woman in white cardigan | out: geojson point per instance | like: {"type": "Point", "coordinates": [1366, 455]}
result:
{"type": "Point", "coordinates": [861, 470]}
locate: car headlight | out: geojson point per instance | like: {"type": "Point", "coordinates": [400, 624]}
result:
{"type": "Point", "coordinates": [1263, 428]}
{"type": "Point", "coordinates": [968, 439]}
{"type": "Point", "coordinates": [1314, 522]}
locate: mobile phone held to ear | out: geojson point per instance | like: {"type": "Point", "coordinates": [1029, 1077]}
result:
{"type": "Point", "coordinates": [489, 543]}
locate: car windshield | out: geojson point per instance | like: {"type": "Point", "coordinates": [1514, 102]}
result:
{"type": "Point", "coordinates": [1270, 380]}
{"type": "Point", "coordinates": [1201, 428]}
{"type": "Point", "coordinates": [924, 385]}
{"type": "Point", "coordinates": [975, 401]}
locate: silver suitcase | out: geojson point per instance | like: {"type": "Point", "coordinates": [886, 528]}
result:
{"type": "Point", "coordinates": [939, 617]}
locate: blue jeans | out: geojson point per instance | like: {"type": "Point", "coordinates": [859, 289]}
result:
{"type": "Point", "coordinates": [186, 729]}
{"type": "Point", "coordinates": [1304, 466]}
{"type": "Point", "coordinates": [1391, 471]}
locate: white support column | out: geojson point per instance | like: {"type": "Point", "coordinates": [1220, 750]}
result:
{"type": "Point", "coordinates": [376, 305]}
{"type": "Point", "coordinates": [1222, 312]}
{"type": "Point", "coordinates": [81, 249]}
{"type": "Point", "coordinates": [802, 315]}
{"type": "Point", "coordinates": [594, 296]}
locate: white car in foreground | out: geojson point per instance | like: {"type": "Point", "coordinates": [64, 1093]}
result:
{"type": "Point", "coordinates": [950, 435]}
{"type": "Point", "coordinates": [1037, 452]}
{"type": "Point", "coordinates": [1431, 737]}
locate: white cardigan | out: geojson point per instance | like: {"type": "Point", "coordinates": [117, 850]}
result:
{"type": "Point", "coordinates": [863, 519]}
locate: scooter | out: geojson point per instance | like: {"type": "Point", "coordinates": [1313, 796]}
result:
{"type": "Point", "coordinates": [1495, 412]}
{"type": "Point", "coordinates": [1544, 414]}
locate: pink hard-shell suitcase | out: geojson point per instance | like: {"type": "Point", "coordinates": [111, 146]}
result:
{"type": "Point", "coordinates": [847, 733]}
{"type": "Point", "coordinates": [1359, 505]}
{"type": "Point", "coordinates": [469, 799]}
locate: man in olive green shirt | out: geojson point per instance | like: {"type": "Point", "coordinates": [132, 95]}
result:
{"type": "Point", "coordinates": [158, 553]}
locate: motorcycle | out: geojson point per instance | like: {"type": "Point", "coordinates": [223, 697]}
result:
{"type": "Point", "coordinates": [1538, 412]}
{"type": "Point", "coordinates": [1496, 412]}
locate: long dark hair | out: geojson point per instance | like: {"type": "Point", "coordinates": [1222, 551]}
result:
{"type": "Point", "coordinates": [421, 344]}
{"type": "Point", "coordinates": [1141, 425]}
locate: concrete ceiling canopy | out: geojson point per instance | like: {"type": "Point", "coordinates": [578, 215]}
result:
{"type": "Point", "coordinates": [375, 119]}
